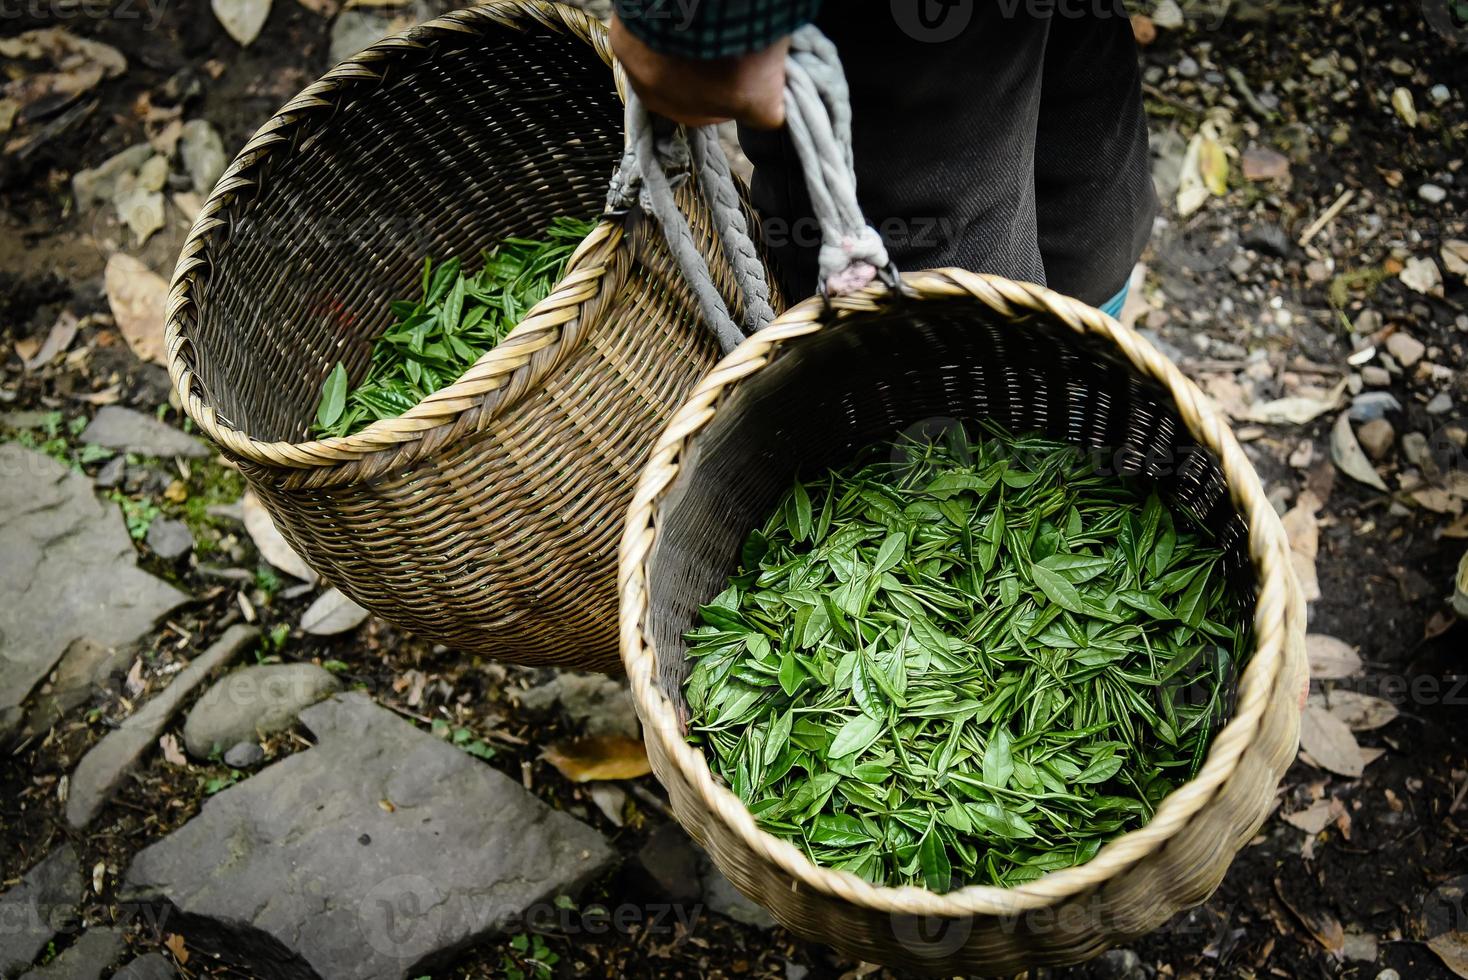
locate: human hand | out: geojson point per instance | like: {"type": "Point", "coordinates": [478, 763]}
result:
{"type": "Point", "coordinates": [748, 88]}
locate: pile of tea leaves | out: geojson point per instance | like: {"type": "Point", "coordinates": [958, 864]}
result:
{"type": "Point", "coordinates": [438, 337]}
{"type": "Point", "coordinates": [965, 662]}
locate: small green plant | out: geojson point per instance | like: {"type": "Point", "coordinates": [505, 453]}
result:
{"type": "Point", "coordinates": [272, 641]}
{"type": "Point", "coordinates": [137, 514]}
{"type": "Point", "coordinates": [214, 784]}
{"type": "Point", "coordinates": [528, 958]}
{"type": "Point", "coordinates": [267, 581]}
{"type": "Point", "coordinates": [336, 666]}
{"type": "Point", "coordinates": [463, 738]}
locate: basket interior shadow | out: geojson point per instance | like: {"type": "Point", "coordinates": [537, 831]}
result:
{"type": "Point", "coordinates": [454, 148]}
{"type": "Point", "coordinates": [913, 369]}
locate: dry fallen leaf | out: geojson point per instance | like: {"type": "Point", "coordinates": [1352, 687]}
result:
{"type": "Point", "coordinates": [1316, 817]}
{"type": "Point", "coordinates": [63, 332]}
{"type": "Point", "coordinates": [1322, 925]}
{"type": "Point", "coordinates": [241, 19]}
{"type": "Point", "coordinates": [1297, 409]}
{"type": "Point", "coordinates": [1330, 743]}
{"type": "Point", "coordinates": [1303, 531]}
{"type": "Point", "coordinates": [171, 754]}
{"type": "Point", "coordinates": [599, 757]}
{"type": "Point", "coordinates": [138, 297]}
{"type": "Point", "coordinates": [175, 944]}
{"type": "Point", "coordinates": [1360, 712]}
{"type": "Point", "coordinates": [1331, 659]}
{"type": "Point", "coordinates": [1349, 458]}
{"type": "Point", "coordinates": [1455, 257]}
{"type": "Point", "coordinates": [332, 613]}
{"type": "Point", "coordinates": [1452, 949]}
{"type": "Point", "coordinates": [271, 544]}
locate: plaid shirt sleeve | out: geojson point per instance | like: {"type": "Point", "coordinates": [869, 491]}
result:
{"type": "Point", "coordinates": [713, 28]}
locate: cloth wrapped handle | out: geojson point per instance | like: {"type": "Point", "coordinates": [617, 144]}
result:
{"type": "Point", "coordinates": [818, 116]}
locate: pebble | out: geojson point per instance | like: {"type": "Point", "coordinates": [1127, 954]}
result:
{"type": "Point", "coordinates": [244, 755]}
{"type": "Point", "coordinates": [1439, 94]}
{"type": "Point", "coordinates": [1188, 68]}
{"type": "Point", "coordinates": [1440, 404]}
{"type": "Point", "coordinates": [1240, 265]}
{"type": "Point", "coordinates": [108, 762]}
{"type": "Point", "coordinates": [169, 539]}
{"type": "Point", "coordinates": [1388, 974]}
{"type": "Point", "coordinates": [1405, 348]}
{"type": "Point", "coordinates": [1414, 448]}
{"type": "Point", "coordinates": [1267, 239]}
{"type": "Point", "coordinates": [1119, 964]}
{"type": "Point", "coordinates": [1367, 323]}
{"type": "Point", "coordinates": [1375, 376]}
{"type": "Point", "coordinates": [111, 473]}
{"type": "Point", "coordinates": [1376, 437]}
{"type": "Point", "coordinates": [255, 700]}
{"type": "Point", "coordinates": [1432, 193]}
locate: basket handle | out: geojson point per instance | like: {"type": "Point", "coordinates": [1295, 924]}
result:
{"type": "Point", "coordinates": [818, 117]}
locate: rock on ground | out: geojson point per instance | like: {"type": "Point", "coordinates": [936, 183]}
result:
{"type": "Point", "coordinates": [149, 966]}
{"type": "Point", "coordinates": [105, 765]}
{"type": "Point", "coordinates": [85, 667]}
{"type": "Point", "coordinates": [720, 895]}
{"type": "Point", "coordinates": [372, 855]}
{"type": "Point", "coordinates": [598, 703]}
{"type": "Point", "coordinates": [115, 427]}
{"type": "Point", "coordinates": [169, 539]}
{"type": "Point", "coordinates": [251, 702]}
{"type": "Point", "coordinates": [34, 911]}
{"type": "Point", "coordinates": [67, 570]}
{"type": "Point", "coordinates": [86, 959]}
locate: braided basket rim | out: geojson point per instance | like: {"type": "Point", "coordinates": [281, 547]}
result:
{"type": "Point", "coordinates": [535, 346]}
{"type": "Point", "coordinates": [1267, 546]}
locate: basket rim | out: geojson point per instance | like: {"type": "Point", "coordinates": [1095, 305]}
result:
{"type": "Point", "coordinates": [1268, 551]}
{"type": "Point", "coordinates": [503, 374]}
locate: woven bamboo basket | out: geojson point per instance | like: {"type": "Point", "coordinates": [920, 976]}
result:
{"type": "Point", "coordinates": [807, 393]}
{"type": "Point", "coordinates": [486, 518]}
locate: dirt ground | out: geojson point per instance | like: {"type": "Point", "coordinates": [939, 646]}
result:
{"type": "Point", "coordinates": [1226, 289]}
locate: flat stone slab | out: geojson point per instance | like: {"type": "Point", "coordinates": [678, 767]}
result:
{"type": "Point", "coordinates": [68, 570]}
{"type": "Point", "coordinates": [149, 966]}
{"type": "Point", "coordinates": [108, 762]}
{"type": "Point", "coordinates": [86, 959]}
{"type": "Point", "coordinates": [34, 911]}
{"type": "Point", "coordinates": [115, 427]}
{"type": "Point", "coordinates": [251, 702]}
{"type": "Point", "coordinates": [374, 854]}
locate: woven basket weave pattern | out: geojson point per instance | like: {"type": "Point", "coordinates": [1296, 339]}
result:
{"type": "Point", "coordinates": [486, 517]}
{"type": "Point", "coordinates": [805, 394]}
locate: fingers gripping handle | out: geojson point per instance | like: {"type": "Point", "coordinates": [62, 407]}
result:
{"type": "Point", "coordinates": [818, 115]}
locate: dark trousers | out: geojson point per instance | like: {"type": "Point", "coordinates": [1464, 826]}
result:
{"type": "Point", "coordinates": [1003, 136]}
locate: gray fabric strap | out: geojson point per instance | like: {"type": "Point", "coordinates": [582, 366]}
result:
{"type": "Point", "coordinates": [818, 114]}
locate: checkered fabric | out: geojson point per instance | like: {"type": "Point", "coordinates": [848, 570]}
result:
{"type": "Point", "coordinates": [713, 28]}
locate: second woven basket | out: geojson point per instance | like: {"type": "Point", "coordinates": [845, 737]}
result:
{"type": "Point", "coordinates": [826, 380]}
{"type": "Point", "coordinates": [486, 517]}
